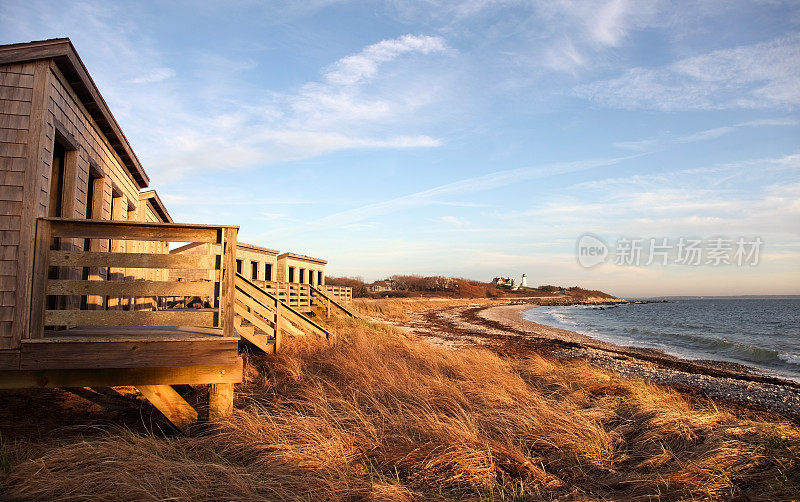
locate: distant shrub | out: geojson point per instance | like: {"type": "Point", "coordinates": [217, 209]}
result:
{"type": "Point", "coordinates": [549, 288]}
{"type": "Point", "coordinates": [360, 289]}
{"type": "Point", "coordinates": [421, 284]}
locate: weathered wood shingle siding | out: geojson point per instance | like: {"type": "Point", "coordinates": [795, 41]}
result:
{"type": "Point", "coordinates": [37, 104]}
{"type": "Point", "coordinates": [16, 93]}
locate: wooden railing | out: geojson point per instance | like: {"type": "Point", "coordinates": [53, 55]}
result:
{"type": "Point", "coordinates": [342, 294]}
{"type": "Point", "coordinates": [78, 282]}
{"type": "Point", "coordinates": [261, 318]}
{"type": "Point", "coordinates": [300, 295]}
{"type": "Point", "coordinates": [322, 300]}
{"type": "Point", "coordinates": [258, 315]}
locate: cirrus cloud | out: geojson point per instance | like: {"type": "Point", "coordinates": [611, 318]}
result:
{"type": "Point", "coordinates": [763, 75]}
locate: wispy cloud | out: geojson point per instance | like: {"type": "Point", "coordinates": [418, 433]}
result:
{"type": "Point", "coordinates": [451, 220]}
{"type": "Point", "coordinates": [769, 165]}
{"type": "Point", "coordinates": [571, 35]}
{"type": "Point", "coordinates": [705, 135]}
{"type": "Point", "coordinates": [763, 75]}
{"type": "Point", "coordinates": [343, 110]}
{"type": "Point", "coordinates": [608, 23]}
{"type": "Point", "coordinates": [476, 184]}
{"type": "Point", "coordinates": [353, 104]}
{"type": "Point", "coordinates": [364, 65]}
{"type": "Point", "coordinates": [702, 200]}
{"type": "Point", "coordinates": [563, 35]}
{"type": "Point", "coordinates": [154, 75]}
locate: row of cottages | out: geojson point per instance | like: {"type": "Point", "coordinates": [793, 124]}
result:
{"type": "Point", "coordinates": [85, 261]}
{"type": "Point", "coordinates": [262, 265]}
{"type": "Point", "coordinates": [290, 277]}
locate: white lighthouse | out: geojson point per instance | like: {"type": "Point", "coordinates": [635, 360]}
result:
{"type": "Point", "coordinates": [524, 283]}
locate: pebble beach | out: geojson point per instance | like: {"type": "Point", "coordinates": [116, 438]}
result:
{"type": "Point", "coordinates": [503, 329]}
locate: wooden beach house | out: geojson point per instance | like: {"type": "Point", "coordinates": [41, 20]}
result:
{"type": "Point", "coordinates": [296, 280]}
{"type": "Point", "coordinates": [256, 263]}
{"type": "Point", "coordinates": [301, 269]}
{"type": "Point", "coordinates": [85, 266]}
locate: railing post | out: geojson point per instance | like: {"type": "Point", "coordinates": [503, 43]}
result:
{"type": "Point", "coordinates": [41, 262]}
{"type": "Point", "coordinates": [228, 294]}
{"type": "Point", "coordinates": [278, 323]}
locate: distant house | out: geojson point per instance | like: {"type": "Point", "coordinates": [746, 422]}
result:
{"type": "Point", "coordinates": [380, 286]}
{"type": "Point", "coordinates": [506, 282]}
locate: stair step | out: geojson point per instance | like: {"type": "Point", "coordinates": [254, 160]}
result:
{"type": "Point", "coordinates": [261, 341]}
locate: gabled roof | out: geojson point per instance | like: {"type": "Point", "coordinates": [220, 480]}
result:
{"type": "Point", "coordinates": [63, 54]}
{"type": "Point", "coordinates": [158, 205]}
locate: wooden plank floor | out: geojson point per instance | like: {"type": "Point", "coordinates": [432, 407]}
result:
{"type": "Point", "coordinates": [163, 333]}
{"type": "Point", "coordinates": [128, 347]}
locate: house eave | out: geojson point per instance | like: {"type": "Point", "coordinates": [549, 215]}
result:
{"type": "Point", "coordinates": [63, 54]}
{"type": "Point", "coordinates": [158, 204]}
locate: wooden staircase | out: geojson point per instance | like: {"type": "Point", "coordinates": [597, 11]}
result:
{"type": "Point", "coordinates": [262, 319]}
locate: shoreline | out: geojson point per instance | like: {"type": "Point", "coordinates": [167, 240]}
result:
{"type": "Point", "coordinates": [502, 328]}
{"type": "Point", "coordinates": [709, 366]}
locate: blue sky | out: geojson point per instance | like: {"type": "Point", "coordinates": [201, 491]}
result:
{"type": "Point", "coordinates": [474, 139]}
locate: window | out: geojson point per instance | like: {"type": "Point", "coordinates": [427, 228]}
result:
{"type": "Point", "coordinates": [63, 174]}
{"type": "Point", "coordinates": [254, 266]}
{"type": "Point", "coordinates": [94, 196]}
{"type": "Point", "coordinates": [131, 246]}
{"type": "Point", "coordinates": [291, 274]}
{"type": "Point", "coordinates": [238, 266]}
{"type": "Point", "coordinates": [268, 272]}
{"type": "Point", "coordinates": [302, 276]}
{"type": "Point", "coordinates": [57, 181]}
{"type": "Point", "coordinates": [311, 277]}
{"type": "Point", "coordinates": [319, 277]}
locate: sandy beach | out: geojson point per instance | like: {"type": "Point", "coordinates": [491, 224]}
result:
{"type": "Point", "coordinates": [501, 328]}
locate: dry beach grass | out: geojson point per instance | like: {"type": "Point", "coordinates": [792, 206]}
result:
{"type": "Point", "coordinates": [383, 415]}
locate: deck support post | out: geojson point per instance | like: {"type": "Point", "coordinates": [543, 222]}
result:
{"type": "Point", "coordinates": [171, 404]}
{"type": "Point", "coordinates": [220, 401]}
{"type": "Point", "coordinates": [227, 302]}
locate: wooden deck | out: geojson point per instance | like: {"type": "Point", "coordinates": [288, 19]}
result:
{"type": "Point", "coordinates": [128, 347]}
{"type": "Point", "coordinates": [83, 299]}
{"type": "Point", "coordinates": [92, 332]}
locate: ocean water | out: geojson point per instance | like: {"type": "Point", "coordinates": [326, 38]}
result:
{"type": "Point", "coordinates": [761, 333]}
